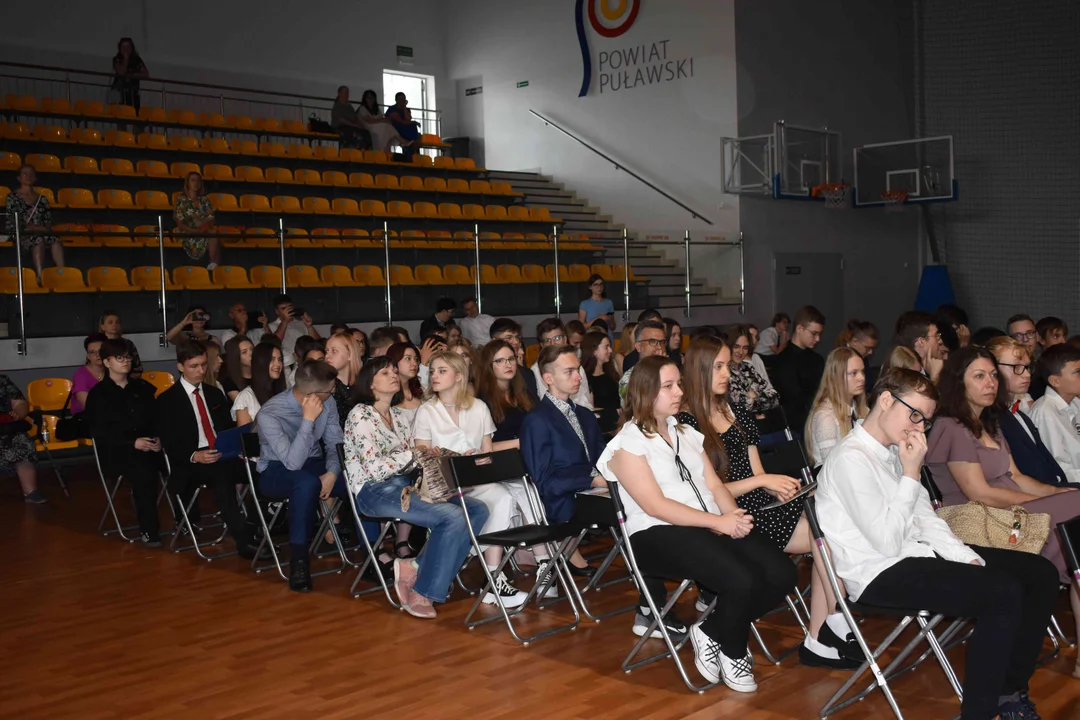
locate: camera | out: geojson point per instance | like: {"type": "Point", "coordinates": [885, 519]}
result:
{"type": "Point", "coordinates": [200, 316]}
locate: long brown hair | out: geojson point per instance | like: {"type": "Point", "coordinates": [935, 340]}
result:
{"type": "Point", "coordinates": [641, 394]}
{"type": "Point", "coordinates": [589, 343]}
{"type": "Point", "coordinates": [487, 385]}
{"type": "Point", "coordinates": [953, 392]}
{"type": "Point", "coordinates": [699, 399]}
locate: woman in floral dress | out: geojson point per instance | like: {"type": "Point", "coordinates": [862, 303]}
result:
{"type": "Point", "coordinates": [35, 221]}
{"type": "Point", "coordinates": [16, 448]}
{"type": "Point", "coordinates": [193, 216]}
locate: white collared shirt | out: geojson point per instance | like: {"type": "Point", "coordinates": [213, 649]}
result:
{"type": "Point", "coordinates": [582, 398]}
{"type": "Point", "coordinates": [476, 329]}
{"type": "Point", "coordinates": [873, 516]}
{"type": "Point", "coordinates": [433, 423]}
{"type": "Point", "coordinates": [295, 330]}
{"type": "Point", "coordinates": [661, 459]}
{"type": "Point", "coordinates": [189, 389]}
{"type": "Point", "coordinates": [1056, 421]}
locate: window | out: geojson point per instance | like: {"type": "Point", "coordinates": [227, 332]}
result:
{"type": "Point", "coordinates": [419, 91]}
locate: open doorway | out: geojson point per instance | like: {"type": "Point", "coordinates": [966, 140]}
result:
{"type": "Point", "coordinates": [420, 92]}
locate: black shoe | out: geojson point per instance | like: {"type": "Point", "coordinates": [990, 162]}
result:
{"type": "Point", "coordinates": [1025, 700]}
{"type": "Point", "coordinates": [150, 541]}
{"type": "Point", "coordinates": [248, 551]}
{"type": "Point", "coordinates": [847, 647]}
{"type": "Point", "coordinates": [811, 659]}
{"type": "Point", "coordinates": [300, 575]}
{"type": "Point", "coordinates": [677, 629]}
{"type": "Point", "coordinates": [1019, 708]}
{"type": "Point", "coordinates": [583, 572]}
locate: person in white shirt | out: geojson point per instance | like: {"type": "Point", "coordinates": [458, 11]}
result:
{"type": "Point", "coordinates": [684, 523]}
{"type": "Point", "coordinates": [840, 403]}
{"type": "Point", "coordinates": [552, 332]}
{"type": "Point", "coordinates": [266, 382]}
{"type": "Point", "coordinates": [241, 325]}
{"type": "Point", "coordinates": [475, 326]}
{"type": "Point", "coordinates": [1057, 412]}
{"type": "Point", "coordinates": [288, 328]}
{"type": "Point", "coordinates": [775, 337]}
{"type": "Point", "coordinates": [892, 550]}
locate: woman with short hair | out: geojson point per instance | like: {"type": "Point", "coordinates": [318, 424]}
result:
{"type": "Point", "coordinates": [90, 374]}
{"type": "Point", "coordinates": [750, 387]}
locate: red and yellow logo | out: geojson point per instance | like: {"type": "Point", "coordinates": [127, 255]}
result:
{"type": "Point", "coordinates": [609, 19]}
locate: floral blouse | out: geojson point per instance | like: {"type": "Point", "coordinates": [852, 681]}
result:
{"type": "Point", "coordinates": [41, 215]}
{"type": "Point", "coordinates": [744, 380]}
{"type": "Point", "coordinates": [374, 452]}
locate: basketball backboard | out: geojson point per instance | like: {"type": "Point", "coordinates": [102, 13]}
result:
{"type": "Point", "coordinates": [787, 163]}
{"type": "Point", "coordinates": [748, 165]}
{"type": "Point", "coordinates": [922, 168]}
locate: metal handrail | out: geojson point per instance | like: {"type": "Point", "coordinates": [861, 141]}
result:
{"type": "Point", "coordinates": [620, 166]}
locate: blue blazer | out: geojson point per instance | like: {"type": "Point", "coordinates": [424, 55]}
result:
{"type": "Point", "coordinates": [555, 457]}
{"type": "Point", "coordinates": [1031, 456]}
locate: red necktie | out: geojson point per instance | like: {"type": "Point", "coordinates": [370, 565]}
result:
{"type": "Point", "coordinates": [204, 419]}
{"type": "Point", "coordinates": [1015, 407]}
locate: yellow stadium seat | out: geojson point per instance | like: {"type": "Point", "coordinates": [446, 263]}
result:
{"type": "Point", "coordinates": [294, 126]}
{"type": "Point", "coordinates": [10, 161]}
{"type": "Point", "coordinates": [262, 237]}
{"type": "Point", "coordinates": [48, 393]}
{"type": "Point", "coordinates": [389, 182]}
{"type": "Point", "coordinates": [87, 136]}
{"type": "Point", "coordinates": [457, 275]}
{"type": "Point", "coordinates": [118, 166]}
{"type": "Point", "coordinates": [377, 236]}
{"type": "Point", "coordinates": [297, 237]}
{"type": "Point", "coordinates": [327, 152]}
{"type": "Point", "coordinates": [272, 149]}
{"type": "Point", "coordinates": [247, 173]}
{"type": "Point", "coordinates": [9, 281]}
{"type": "Point", "coordinates": [357, 237]}
{"type": "Point", "coordinates": [373, 207]}
{"type": "Point", "coordinates": [77, 198]}
{"type": "Point", "coordinates": [181, 169]}
{"type": "Point", "coordinates": [194, 277]}
{"type": "Point", "coordinates": [443, 161]}
{"type": "Point", "coordinates": [399, 208]}
{"type": "Point", "coordinates": [495, 212]}
{"type": "Point", "coordinates": [268, 124]}
{"type": "Point", "coordinates": [488, 276]}
{"type": "Point", "coordinates": [50, 133]}
{"type": "Point", "coordinates": [120, 138]}
{"type": "Point", "coordinates": [337, 276]}
{"type": "Point", "coordinates": [540, 214]}
{"type": "Point", "coordinates": [213, 120]}
{"type": "Point", "coordinates": [604, 270]}
{"type": "Point", "coordinates": [16, 131]}
{"type": "Point", "coordinates": [411, 182]}
{"type": "Point", "coordinates": [345, 206]}
{"type": "Point", "coordinates": [480, 186]}
{"type": "Point", "coordinates": [223, 201]}
{"type": "Point", "coordinates": [351, 155]}
{"type": "Point", "coordinates": [280, 175]}
{"type": "Point", "coordinates": [45, 163]}
{"type": "Point", "coordinates": [579, 273]}
{"type": "Point", "coordinates": [429, 275]}
{"type": "Point", "coordinates": [161, 381]}
{"type": "Point", "coordinates": [464, 164]}
{"type": "Point", "coordinates": [4, 192]}
{"type": "Point", "coordinates": [473, 212]}
{"type": "Point", "coordinates": [184, 143]}
{"type": "Point", "coordinates": [619, 270]}
{"type": "Point", "coordinates": [435, 184]}
{"type": "Point", "coordinates": [267, 276]}
{"type": "Point", "coordinates": [532, 352]}
{"type": "Point", "coordinates": [232, 277]}
{"type": "Point", "coordinates": [430, 139]}
{"type": "Point", "coordinates": [109, 279]}
{"type": "Point", "coordinates": [153, 141]}
{"type": "Point", "coordinates": [458, 185]}
{"type": "Point", "coordinates": [153, 168]}
{"type": "Point", "coordinates": [402, 275]}
{"type": "Point", "coordinates": [116, 199]}
{"type": "Point", "coordinates": [23, 103]}
{"type": "Point", "coordinates": [216, 145]}
{"type": "Point", "coordinates": [361, 179]}
{"type": "Point", "coordinates": [425, 210]}
{"type": "Point", "coordinates": [286, 204]}
{"type": "Point", "coordinates": [450, 210]}
{"type": "Point", "coordinates": [109, 237]}
{"type": "Point", "coordinates": [255, 203]}
{"type": "Point", "coordinates": [501, 187]}
{"type": "Point", "coordinates": [240, 122]}
{"type": "Point", "coordinates": [72, 235]}
{"type": "Point", "coordinates": [517, 212]}
{"type": "Point", "coordinates": [153, 114]}
{"type": "Point", "coordinates": [301, 152]}
{"type": "Point", "coordinates": [148, 277]}
{"type": "Point", "coordinates": [183, 117]}
{"type": "Point", "coordinates": [218, 172]}
{"type": "Point", "coordinates": [121, 112]}
{"type": "Point", "coordinates": [422, 160]}
{"type": "Point", "coordinates": [308, 177]}
{"type": "Point", "coordinates": [370, 275]}
{"type": "Point", "coordinates": [304, 276]}
{"type": "Point", "coordinates": [53, 200]}
{"type": "Point", "coordinates": [534, 273]}
{"type": "Point", "coordinates": [376, 156]}
{"type": "Point", "coordinates": [235, 238]}
{"type": "Point", "coordinates": [63, 280]}
{"type": "Point", "coordinates": [244, 147]}
{"type": "Point", "coordinates": [335, 177]}
{"type": "Point", "coordinates": [152, 200]}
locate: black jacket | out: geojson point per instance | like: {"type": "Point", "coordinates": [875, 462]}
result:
{"type": "Point", "coordinates": [179, 431]}
{"type": "Point", "coordinates": [1032, 457]}
{"type": "Point", "coordinates": [117, 416]}
{"type": "Point", "coordinates": [796, 377]}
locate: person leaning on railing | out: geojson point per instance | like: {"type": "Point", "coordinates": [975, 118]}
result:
{"type": "Point", "coordinates": [128, 69]}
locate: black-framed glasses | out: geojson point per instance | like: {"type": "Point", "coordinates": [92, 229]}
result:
{"type": "Point", "coordinates": [505, 362]}
{"type": "Point", "coordinates": [120, 358]}
{"type": "Point", "coordinates": [1017, 368]}
{"type": "Point", "coordinates": [654, 342]}
{"type": "Point", "coordinates": [916, 417]}
{"type": "Point", "coordinates": [1026, 336]}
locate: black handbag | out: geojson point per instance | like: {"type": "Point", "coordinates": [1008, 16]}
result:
{"type": "Point", "coordinates": [70, 426]}
{"type": "Point", "coordinates": [317, 125]}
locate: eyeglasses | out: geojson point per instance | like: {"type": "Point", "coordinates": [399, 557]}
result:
{"type": "Point", "coordinates": [917, 416]}
{"type": "Point", "coordinates": [935, 336]}
{"type": "Point", "coordinates": [121, 358]}
{"type": "Point", "coordinates": [1018, 368]}
{"type": "Point", "coordinates": [1026, 336]}
{"type": "Point", "coordinates": [505, 362]}
{"type": "Point", "coordinates": [653, 342]}
{"type": "Point", "coordinates": [93, 352]}
{"type": "Point", "coordinates": [554, 340]}
{"type": "Point", "coordinates": [328, 393]}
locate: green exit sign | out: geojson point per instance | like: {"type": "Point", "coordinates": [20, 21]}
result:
{"type": "Point", "coordinates": [523, 83]}
{"type": "Point", "coordinates": [404, 51]}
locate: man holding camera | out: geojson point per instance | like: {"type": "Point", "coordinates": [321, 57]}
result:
{"type": "Point", "coordinates": [242, 325]}
{"type": "Point", "coordinates": [288, 327]}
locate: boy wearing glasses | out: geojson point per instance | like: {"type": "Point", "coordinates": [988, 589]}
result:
{"type": "Point", "coordinates": [798, 368]}
{"type": "Point", "coordinates": [1021, 328]}
{"type": "Point", "coordinates": [552, 333]}
{"type": "Point", "coordinates": [1057, 412]}
{"type": "Point", "coordinates": [122, 418]}
{"type": "Point", "coordinates": [650, 338]}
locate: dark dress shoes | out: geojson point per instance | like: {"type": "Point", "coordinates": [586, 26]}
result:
{"type": "Point", "coordinates": [300, 576]}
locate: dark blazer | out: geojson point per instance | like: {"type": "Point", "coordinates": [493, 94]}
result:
{"type": "Point", "coordinates": [117, 416]}
{"type": "Point", "coordinates": [179, 431]}
{"type": "Point", "coordinates": [530, 380]}
{"type": "Point", "coordinates": [1032, 457]}
{"type": "Point", "coordinates": [555, 457]}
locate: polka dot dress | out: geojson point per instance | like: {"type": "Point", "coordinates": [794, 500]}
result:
{"type": "Point", "coordinates": [777, 524]}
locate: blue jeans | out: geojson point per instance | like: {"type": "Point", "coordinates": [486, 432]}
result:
{"type": "Point", "coordinates": [446, 547]}
{"type": "Point", "coordinates": [302, 488]}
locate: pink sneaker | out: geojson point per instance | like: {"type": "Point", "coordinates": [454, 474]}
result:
{"type": "Point", "coordinates": [419, 606]}
{"type": "Point", "coordinates": [405, 572]}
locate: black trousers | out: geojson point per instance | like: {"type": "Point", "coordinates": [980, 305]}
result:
{"type": "Point", "coordinates": [141, 470]}
{"type": "Point", "coordinates": [222, 477]}
{"type": "Point", "coordinates": [1010, 599]}
{"type": "Point", "coordinates": [749, 576]}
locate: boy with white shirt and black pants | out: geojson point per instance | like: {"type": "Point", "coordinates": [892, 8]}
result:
{"type": "Point", "coordinates": [892, 550]}
{"type": "Point", "coordinates": [1057, 412]}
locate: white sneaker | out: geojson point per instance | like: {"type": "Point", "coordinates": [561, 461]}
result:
{"type": "Point", "coordinates": [714, 666]}
{"type": "Point", "coordinates": [510, 595]}
{"type": "Point", "coordinates": [211, 267]}
{"type": "Point", "coordinates": [553, 578]}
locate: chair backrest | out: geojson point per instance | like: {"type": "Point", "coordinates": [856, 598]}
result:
{"type": "Point", "coordinates": [161, 381]}
{"type": "Point", "coordinates": [786, 458]}
{"type": "Point", "coordinates": [927, 479]}
{"type": "Point", "coordinates": [774, 421]}
{"type": "Point", "coordinates": [1069, 533]}
{"type": "Point", "coordinates": [467, 471]}
{"type": "Point", "coordinates": [250, 449]}
{"type": "Point", "coordinates": [810, 508]}
{"type": "Point", "coordinates": [48, 393]}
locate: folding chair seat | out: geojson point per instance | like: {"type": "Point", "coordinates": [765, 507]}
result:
{"type": "Point", "coordinates": [304, 276]}
{"type": "Point", "coordinates": [507, 467]}
{"type": "Point", "coordinates": [81, 165]}
{"type": "Point", "coordinates": [214, 171]}
{"type": "Point", "coordinates": [267, 276]}
{"type": "Point", "coordinates": [153, 168]}
{"type": "Point", "coordinates": [109, 279]}
{"type": "Point", "coordinates": [111, 485]}
{"type": "Point", "coordinates": [216, 145]}
{"type": "Point", "coordinates": [255, 203]}
{"type": "Point", "coordinates": [232, 277]}
{"type": "Point", "coordinates": [161, 381]}
{"type": "Point", "coordinates": [435, 184]}
{"type": "Point", "coordinates": [64, 280]}
{"type": "Point", "coordinates": [152, 200]}
{"type": "Point", "coordinates": [388, 182]}
{"type": "Point", "coordinates": [361, 180]}
{"type": "Point", "coordinates": [335, 178]}
{"type": "Point", "coordinates": [317, 206]}
{"type": "Point", "coordinates": [223, 202]}
{"type": "Point", "coordinates": [411, 182]}
{"type": "Point", "coordinates": [118, 166]}
{"type": "Point", "coordinates": [194, 277]}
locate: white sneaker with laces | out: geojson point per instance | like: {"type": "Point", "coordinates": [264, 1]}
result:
{"type": "Point", "coordinates": [510, 595]}
{"type": "Point", "coordinates": [714, 666]}
{"type": "Point", "coordinates": [211, 267]}
{"type": "Point", "coordinates": [553, 580]}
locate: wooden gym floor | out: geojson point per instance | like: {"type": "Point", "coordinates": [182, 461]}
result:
{"type": "Point", "coordinates": [95, 628]}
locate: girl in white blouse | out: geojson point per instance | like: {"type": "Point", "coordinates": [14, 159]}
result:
{"type": "Point", "coordinates": [266, 382]}
{"type": "Point", "coordinates": [839, 403]}
{"type": "Point", "coordinates": [684, 523]}
{"type": "Point", "coordinates": [378, 456]}
{"type": "Point", "coordinates": [452, 419]}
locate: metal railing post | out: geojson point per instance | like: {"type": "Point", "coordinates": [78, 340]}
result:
{"type": "Point", "coordinates": [386, 269]}
{"type": "Point", "coordinates": [281, 239]}
{"type": "Point", "coordinates": [20, 348]}
{"type": "Point", "coordinates": [626, 276]}
{"type": "Point", "coordinates": [686, 247]}
{"type": "Point", "coordinates": [67, 84]}
{"type": "Point", "coordinates": [558, 296]}
{"type": "Point", "coordinates": [163, 339]}
{"type": "Point", "coordinates": [476, 241]}
{"type": "Point", "coordinates": [221, 100]}
{"type": "Point", "coordinates": [742, 276]}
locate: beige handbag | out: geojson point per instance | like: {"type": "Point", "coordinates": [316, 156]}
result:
{"type": "Point", "coordinates": [430, 482]}
{"type": "Point", "coordinates": [1005, 529]}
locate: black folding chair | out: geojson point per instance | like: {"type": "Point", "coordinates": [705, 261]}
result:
{"type": "Point", "coordinates": [926, 620]}
{"type": "Point", "coordinates": [111, 487]}
{"type": "Point", "coordinates": [507, 466]}
{"type": "Point", "coordinates": [1069, 535]}
{"type": "Point", "coordinates": [774, 423]}
{"type": "Point", "coordinates": [249, 444]}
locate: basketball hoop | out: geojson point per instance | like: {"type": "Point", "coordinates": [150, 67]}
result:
{"type": "Point", "coordinates": [834, 194]}
{"type": "Point", "coordinates": [894, 200]}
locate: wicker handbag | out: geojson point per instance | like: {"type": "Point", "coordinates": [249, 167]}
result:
{"type": "Point", "coordinates": [1005, 529]}
{"type": "Point", "coordinates": [430, 483]}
